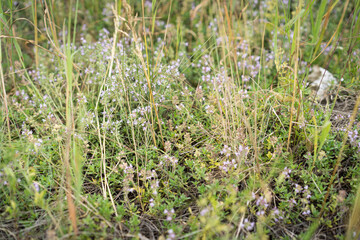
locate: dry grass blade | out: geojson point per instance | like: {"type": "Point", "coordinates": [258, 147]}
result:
{"type": "Point", "coordinates": [69, 198]}
{"type": "Point", "coordinates": [146, 70]}
{"type": "Point", "coordinates": [353, 231]}
{"type": "Point", "coordinates": [4, 97]}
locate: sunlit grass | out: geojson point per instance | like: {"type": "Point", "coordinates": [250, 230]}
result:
{"type": "Point", "coordinates": [180, 119]}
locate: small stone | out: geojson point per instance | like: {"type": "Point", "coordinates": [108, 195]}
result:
{"type": "Point", "coordinates": [321, 80]}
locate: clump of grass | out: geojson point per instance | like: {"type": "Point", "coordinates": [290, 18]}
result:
{"type": "Point", "coordinates": [177, 126]}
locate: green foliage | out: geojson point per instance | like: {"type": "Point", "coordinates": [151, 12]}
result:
{"type": "Point", "coordinates": [182, 134]}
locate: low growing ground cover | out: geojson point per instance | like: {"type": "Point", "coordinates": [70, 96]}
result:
{"type": "Point", "coordinates": [179, 120]}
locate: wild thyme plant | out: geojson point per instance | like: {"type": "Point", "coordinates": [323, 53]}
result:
{"type": "Point", "coordinates": [180, 120]}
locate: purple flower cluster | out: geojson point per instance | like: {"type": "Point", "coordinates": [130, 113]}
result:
{"type": "Point", "coordinates": [354, 139]}
{"type": "Point", "coordinates": [262, 204]}
{"type": "Point", "coordinates": [277, 215]}
{"type": "Point", "coordinates": [247, 225]}
{"type": "Point", "coordinates": [226, 151]}
{"type": "Point", "coordinates": [167, 160]}
{"type": "Point", "coordinates": [305, 196]}
{"type": "Point", "coordinates": [169, 214]}
{"type": "Point", "coordinates": [28, 134]}
{"type": "Point", "coordinates": [171, 235]}
{"type": "Point", "coordinates": [128, 181]}
{"type": "Point", "coordinates": [205, 211]}
{"type": "Point", "coordinates": [36, 186]}
{"type": "Point", "coordinates": [24, 97]}
{"type": "Point", "coordinates": [324, 49]}
{"type": "Point", "coordinates": [154, 186]}
{"type": "Point", "coordinates": [240, 152]}
{"type": "Point", "coordinates": [227, 165]}
{"type": "Point", "coordinates": [151, 202]}
{"type": "Point", "coordinates": [286, 172]}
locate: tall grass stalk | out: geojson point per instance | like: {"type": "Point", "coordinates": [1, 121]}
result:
{"type": "Point", "coordinates": [353, 229]}
{"type": "Point", "coordinates": [251, 129]}
{"type": "Point", "coordinates": [68, 157]}
{"type": "Point", "coordinates": [335, 32]}
{"type": "Point", "coordinates": [295, 48]}
{"type": "Point", "coordinates": [3, 85]}
{"type": "Point", "coordinates": [146, 68]}
{"type": "Point", "coordinates": [158, 58]}
{"type": "Point", "coordinates": [132, 135]}
{"type": "Point", "coordinates": [36, 38]}
{"type": "Point", "coordinates": [102, 139]}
